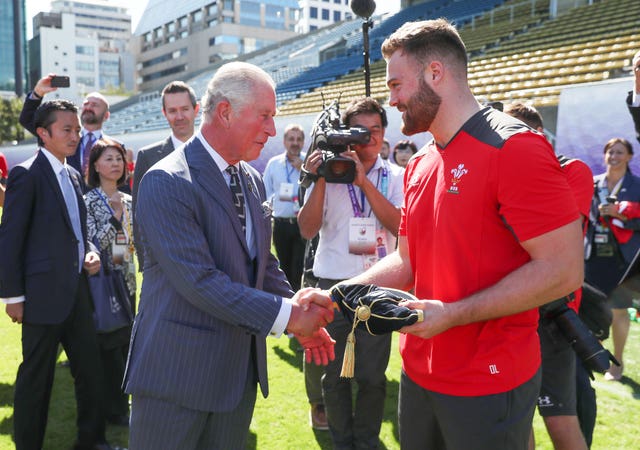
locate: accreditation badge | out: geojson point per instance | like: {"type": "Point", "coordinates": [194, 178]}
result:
{"type": "Point", "coordinates": [362, 235]}
{"type": "Point", "coordinates": [286, 192]}
{"type": "Point", "coordinates": [120, 248]}
{"type": "Point", "coordinates": [601, 238]}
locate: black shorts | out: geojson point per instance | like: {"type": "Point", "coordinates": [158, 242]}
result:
{"type": "Point", "coordinates": [432, 420]}
{"type": "Point", "coordinates": [558, 388]}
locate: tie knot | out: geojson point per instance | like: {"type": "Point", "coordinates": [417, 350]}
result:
{"type": "Point", "coordinates": [233, 170]}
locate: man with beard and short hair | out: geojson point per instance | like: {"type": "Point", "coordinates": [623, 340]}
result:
{"type": "Point", "coordinates": [489, 232]}
{"type": "Point", "coordinates": [95, 111]}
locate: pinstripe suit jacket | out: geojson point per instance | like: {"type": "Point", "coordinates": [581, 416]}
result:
{"type": "Point", "coordinates": [203, 297]}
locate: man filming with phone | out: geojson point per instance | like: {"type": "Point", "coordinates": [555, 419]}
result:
{"type": "Point", "coordinates": [95, 112]}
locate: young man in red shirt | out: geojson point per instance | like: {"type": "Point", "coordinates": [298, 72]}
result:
{"type": "Point", "coordinates": [489, 232]}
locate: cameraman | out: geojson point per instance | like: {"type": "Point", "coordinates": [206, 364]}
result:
{"type": "Point", "coordinates": [557, 399]}
{"type": "Point", "coordinates": [340, 212]}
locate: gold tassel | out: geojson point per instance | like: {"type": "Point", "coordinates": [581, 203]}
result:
{"type": "Point", "coordinates": [349, 359]}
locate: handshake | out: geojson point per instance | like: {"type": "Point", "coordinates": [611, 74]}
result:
{"type": "Point", "coordinates": [368, 307]}
{"type": "Point", "coordinates": [311, 311]}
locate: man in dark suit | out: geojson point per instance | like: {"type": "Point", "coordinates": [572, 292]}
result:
{"type": "Point", "coordinates": [95, 112]}
{"type": "Point", "coordinates": [44, 244]}
{"type": "Point", "coordinates": [212, 290]}
{"type": "Point", "coordinates": [180, 108]}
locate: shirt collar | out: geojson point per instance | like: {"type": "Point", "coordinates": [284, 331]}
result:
{"type": "Point", "coordinates": [176, 142]}
{"type": "Point", "coordinates": [55, 162]}
{"type": "Point", "coordinates": [219, 160]}
{"type": "Point", "coordinates": [97, 134]}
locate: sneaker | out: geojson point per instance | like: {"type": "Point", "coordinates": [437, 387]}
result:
{"type": "Point", "coordinates": [318, 417]}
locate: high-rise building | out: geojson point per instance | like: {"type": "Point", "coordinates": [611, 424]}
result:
{"type": "Point", "coordinates": [13, 48]}
{"type": "Point", "coordinates": [316, 14]}
{"type": "Point", "coordinates": [88, 41]}
{"type": "Point", "coordinates": [176, 39]}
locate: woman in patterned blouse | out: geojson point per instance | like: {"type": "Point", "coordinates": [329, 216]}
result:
{"type": "Point", "coordinates": [109, 226]}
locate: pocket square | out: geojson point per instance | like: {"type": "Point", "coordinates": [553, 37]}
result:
{"type": "Point", "coordinates": [267, 210]}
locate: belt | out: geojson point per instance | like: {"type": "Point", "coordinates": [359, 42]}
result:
{"type": "Point", "coordinates": [291, 220]}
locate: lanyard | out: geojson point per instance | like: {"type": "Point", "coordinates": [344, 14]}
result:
{"type": "Point", "coordinates": [287, 164]}
{"type": "Point", "coordinates": [358, 206]}
{"type": "Point", "coordinates": [125, 216]}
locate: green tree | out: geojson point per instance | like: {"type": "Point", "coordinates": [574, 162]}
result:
{"type": "Point", "coordinates": [10, 128]}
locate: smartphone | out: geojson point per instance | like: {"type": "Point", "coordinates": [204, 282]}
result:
{"type": "Point", "coordinates": [60, 81]}
{"type": "Point", "coordinates": [612, 199]}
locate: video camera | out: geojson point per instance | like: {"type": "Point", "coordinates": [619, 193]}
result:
{"type": "Point", "coordinates": [333, 137]}
{"type": "Point", "coordinates": [594, 356]}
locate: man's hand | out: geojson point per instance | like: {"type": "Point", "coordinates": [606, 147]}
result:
{"type": "Point", "coordinates": [361, 174]}
{"type": "Point", "coordinates": [436, 318]}
{"type": "Point", "coordinates": [318, 347]}
{"type": "Point", "coordinates": [313, 162]}
{"type": "Point", "coordinates": [305, 296]}
{"type": "Point", "coordinates": [92, 263]}
{"type": "Point", "coordinates": [15, 311]}
{"type": "Point", "coordinates": [311, 310]}
{"type": "Point", "coordinates": [43, 86]}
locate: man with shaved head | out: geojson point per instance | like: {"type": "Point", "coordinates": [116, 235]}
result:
{"type": "Point", "coordinates": [95, 112]}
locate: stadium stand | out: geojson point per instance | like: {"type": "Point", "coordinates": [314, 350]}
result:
{"type": "Point", "coordinates": [516, 50]}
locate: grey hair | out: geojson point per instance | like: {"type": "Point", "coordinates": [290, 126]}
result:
{"type": "Point", "coordinates": [235, 83]}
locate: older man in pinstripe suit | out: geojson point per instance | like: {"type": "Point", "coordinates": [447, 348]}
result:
{"type": "Point", "coordinates": [212, 290]}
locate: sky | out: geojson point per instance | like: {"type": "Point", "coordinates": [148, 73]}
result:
{"type": "Point", "coordinates": [136, 8]}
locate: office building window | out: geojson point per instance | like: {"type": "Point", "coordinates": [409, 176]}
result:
{"type": "Point", "coordinates": [84, 50]}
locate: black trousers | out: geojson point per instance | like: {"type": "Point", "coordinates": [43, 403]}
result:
{"type": "Point", "coordinates": [36, 372]}
{"type": "Point", "coordinates": [290, 249]}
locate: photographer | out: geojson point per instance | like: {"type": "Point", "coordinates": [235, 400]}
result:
{"type": "Point", "coordinates": [340, 212]}
{"type": "Point", "coordinates": [614, 240]}
{"type": "Point", "coordinates": [558, 398]}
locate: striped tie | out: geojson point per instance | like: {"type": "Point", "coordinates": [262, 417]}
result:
{"type": "Point", "coordinates": [238, 196]}
{"type": "Point", "coordinates": [86, 151]}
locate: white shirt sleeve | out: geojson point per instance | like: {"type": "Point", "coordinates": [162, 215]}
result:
{"type": "Point", "coordinates": [12, 300]}
{"type": "Point", "coordinates": [280, 324]}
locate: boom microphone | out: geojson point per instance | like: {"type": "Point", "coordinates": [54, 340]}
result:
{"type": "Point", "coordinates": [363, 8]}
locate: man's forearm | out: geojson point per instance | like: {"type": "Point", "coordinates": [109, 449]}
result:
{"type": "Point", "coordinates": [541, 280]}
{"type": "Point", "coordinates": [394, 270]}
{"type": "Point", "coordinates": [310, 215]}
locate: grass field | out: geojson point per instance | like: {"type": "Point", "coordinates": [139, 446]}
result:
{"type": "Point", "coordinates": [281, 421]}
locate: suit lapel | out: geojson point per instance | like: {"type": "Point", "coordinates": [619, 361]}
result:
{"type": "Point", "coordinates": [52, 179]}
{"type": "Point", "coordinates": [165, 148]}
{"type": "Point", "coordinates": [208, 175]}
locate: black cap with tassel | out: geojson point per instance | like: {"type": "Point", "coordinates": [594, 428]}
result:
{"type": "Point", "coordinates": [373, 309]}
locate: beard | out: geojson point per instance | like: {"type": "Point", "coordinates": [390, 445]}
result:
{"type": "Point", "coordinates": [90, 118]}
{"type": "Point", "coordinates": [420, 110]}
